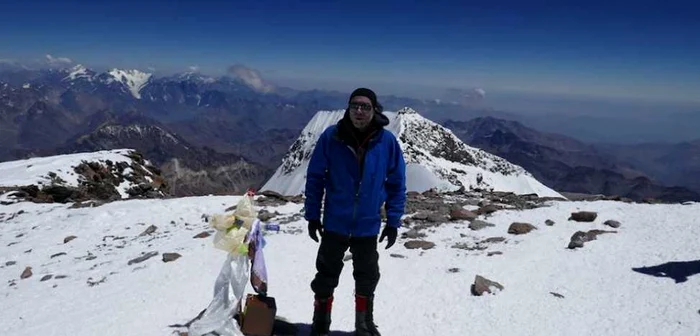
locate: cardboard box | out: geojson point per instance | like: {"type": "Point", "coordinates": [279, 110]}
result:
{"type": "Point", "coordinates": [259, 315]}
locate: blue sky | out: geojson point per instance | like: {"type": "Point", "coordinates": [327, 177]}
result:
{"type": "Point", "coordinates": [640, 49]}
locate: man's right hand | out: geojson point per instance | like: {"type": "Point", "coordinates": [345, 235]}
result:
{"type": "Point", "coordinates": [315, 225]}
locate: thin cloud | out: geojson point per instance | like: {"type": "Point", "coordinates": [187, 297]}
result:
{"type": "Point", "coordinates": [58, 60]}
{"type": "Point", "coordinates": [250, 76]}
{"type": "Point", "coordinates": [193, 68]}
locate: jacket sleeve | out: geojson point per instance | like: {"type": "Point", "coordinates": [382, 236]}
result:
{"type": "Point", "coordinates": [315, 180]}
{"type": "Point", "coordinates": [395, 186]}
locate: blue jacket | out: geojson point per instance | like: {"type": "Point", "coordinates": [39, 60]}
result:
{"type": "Point", "coordinates": [356, 188]}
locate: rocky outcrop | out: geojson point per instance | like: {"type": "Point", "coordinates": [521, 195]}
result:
{"type": "Point", "coordinates": [97, 180]}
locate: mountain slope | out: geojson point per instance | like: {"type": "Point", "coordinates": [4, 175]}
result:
{"type": "Point", "coordinates": [435, 158]}
{"type": "Point", "coordinates": [563, 163]}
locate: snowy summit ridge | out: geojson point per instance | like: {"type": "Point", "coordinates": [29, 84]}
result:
{"type": "Point", "coordinates": [434, 156]}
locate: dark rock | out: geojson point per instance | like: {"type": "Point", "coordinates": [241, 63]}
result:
{"type": "Point", "coordinates": [482, 285]}
{"type": "Point", "coordinates": [46, 277]}
{"type": "Point", "coordinates": [203, 234]}
{"type": "Point", "coordinates": [149, 230]}
{"type": "Point", "coordinates": [549, 222]}
{"type": "Point", "coordinates": [557, 295]}
{"type": "Point", "coordinates": [521, 228]}
{"type": "Point", "coordinates": [26, 273]}
{"type": "Point", "coordinates": [58, 193]}
{"type": "Point", "coordinates": [58, 254]}
{"type": "Point", "coordinates": [436, 218]}
{"type": "Point", "coordinates": [68, 239]}
{"type": "Point", "coordinates": [495, 240]}
{"type": "Point", "coordinates": [479, 224]}
{"type": "Point", "coordinates": [583, 216]}
{"type": "Point", "coordinates": [612, 223]}
{"type": "Point", "coordinates": [168, 257]}
{"type": "Point", "coordinates": [419, 244]}
{"type": "Point", "coordinates": [10, 263]}
{"type": "Point", "coordinates": [467, 247]}
{"type": "Point", "coordinates": [494, 253]}
{"type": "Point", "coordinates": [142, 258]}
{"type": "Point", "coordinates": [412, 234]}
{"type": "Point", "coordinates": [581, 237]}
{"type": "Point", "coordinates": [396, 255]}
{"type": "Point", "coordinates": [462, 214]}
{"type": "Point", "coordinates": [453, 270]}
{"type": "Point", "coordinates": [487, 209]}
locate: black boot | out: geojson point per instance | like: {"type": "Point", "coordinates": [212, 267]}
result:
{"type": "Point", "coordinates": [364, 316]}
{"type": "Point", "coordinates": [322, 317]}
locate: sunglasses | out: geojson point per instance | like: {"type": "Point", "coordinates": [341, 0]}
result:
{"type": "Point", "coordinates": [364, 107]}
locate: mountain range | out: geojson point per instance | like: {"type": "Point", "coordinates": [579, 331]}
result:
{"type": "Point", "coordinates": [567, 164]}
{"type": "Point", "coordinates": [226, 134]}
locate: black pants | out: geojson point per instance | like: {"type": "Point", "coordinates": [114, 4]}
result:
{"type": "Point", "coordinates": [329, 264]}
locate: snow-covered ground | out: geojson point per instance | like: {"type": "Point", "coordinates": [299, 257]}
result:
{"type": "Point", "coordinates": [417, 295]}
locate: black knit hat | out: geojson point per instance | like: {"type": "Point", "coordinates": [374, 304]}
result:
{"type": "Point", "coordinates": [364, 92]}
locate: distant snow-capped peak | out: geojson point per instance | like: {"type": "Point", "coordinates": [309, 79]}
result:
{"type": "Point", "coordinates": [134, 80]}
{"type": "Point", "coordinates": [434, 156]}
{"type": "Point", "coordinates": [79, 72]}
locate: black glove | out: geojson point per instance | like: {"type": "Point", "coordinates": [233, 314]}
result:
{"type": "Point", "coordinates": [390, 233]}
{"type": "Point", "coordinates": [315, 225]}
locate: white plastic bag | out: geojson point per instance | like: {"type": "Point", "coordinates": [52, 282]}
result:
{"type": "Point", "coordinates": [219, 314]}
{"type": "Point", "coordinates": [232, 230]}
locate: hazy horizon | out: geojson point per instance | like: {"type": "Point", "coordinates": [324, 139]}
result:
{"type": "Point", "coordinates": [597, 49]}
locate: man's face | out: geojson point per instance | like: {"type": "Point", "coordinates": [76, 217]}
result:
{"type": "Point", "coordinates": [361, 112]}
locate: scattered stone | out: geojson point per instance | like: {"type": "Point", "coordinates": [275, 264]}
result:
{"type": "Point", "coordinates": [60, 277]}
{"type": "Point", "coordinates": [26, 273]}
{"type": "Point", "coordinates": [28, 251]}
{"type": "Point", "coordinates": [482, 285]}
{"type": "Point", "coordinates": [487, 209]}
{"type": "Point", "coordinates": [583, 216]}
{"type": "Point", "coordinates": [436, 218]}
{"type": "Point", "coordinates": [168, 257]}
{"type": "Point", "coordinates": [453, 270]}
{"type": "Point", "coordinates": [10, 263]}
{"type": "Point", "coordinates": [494, 253]}
{"type": "Point", "coordinates": [557, 295]}
{"type": "Point", "coordinates": [581, 237]}
{"type": "Point", "coordinates": [92, 283]}
{"type": "Point", "coordinates": [462, 214]}
{"type": "Point", "coordinates": [203, 234]}
{"type": "Point", "coordinates": [396, 255]}
{"type": "Point", "coordinates": [68, 239]}
{"type": "Point", "coordinates": [412, 234]}
{"type": "Point", "coordinates": [151, 229]}
{"type": "Point", "coordinates": [143, 258]}
{"type": "Point", "coordinates": [264, 215]}
{"type": "Point", "coordinates": [521, 228]}
{"type": "Point", "coordinates": [46, 277]}
{"type": "Point", "coordinates": [612, 223]}
{"type": "Point", "coordinates": [549, 222]}
{"type": "Point", "coordinates": [467, 247]}
{"type": "Point", "coordinates": [479, 224]}
{"type": "Point", "coordinates": [495, 240]}
{"type": "Point", "coordinates": [58, 254]}
{"type": "Point", "coordinates": [19, 235]}
{"type": "Point", "coordinates": [419, 244]}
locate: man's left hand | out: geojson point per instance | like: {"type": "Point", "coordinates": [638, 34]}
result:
{"type": "Point", "coordinates": [390, 233]}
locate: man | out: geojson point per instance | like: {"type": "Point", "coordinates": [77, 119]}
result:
{"type": "Point", "coordinates": [360, 167]}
